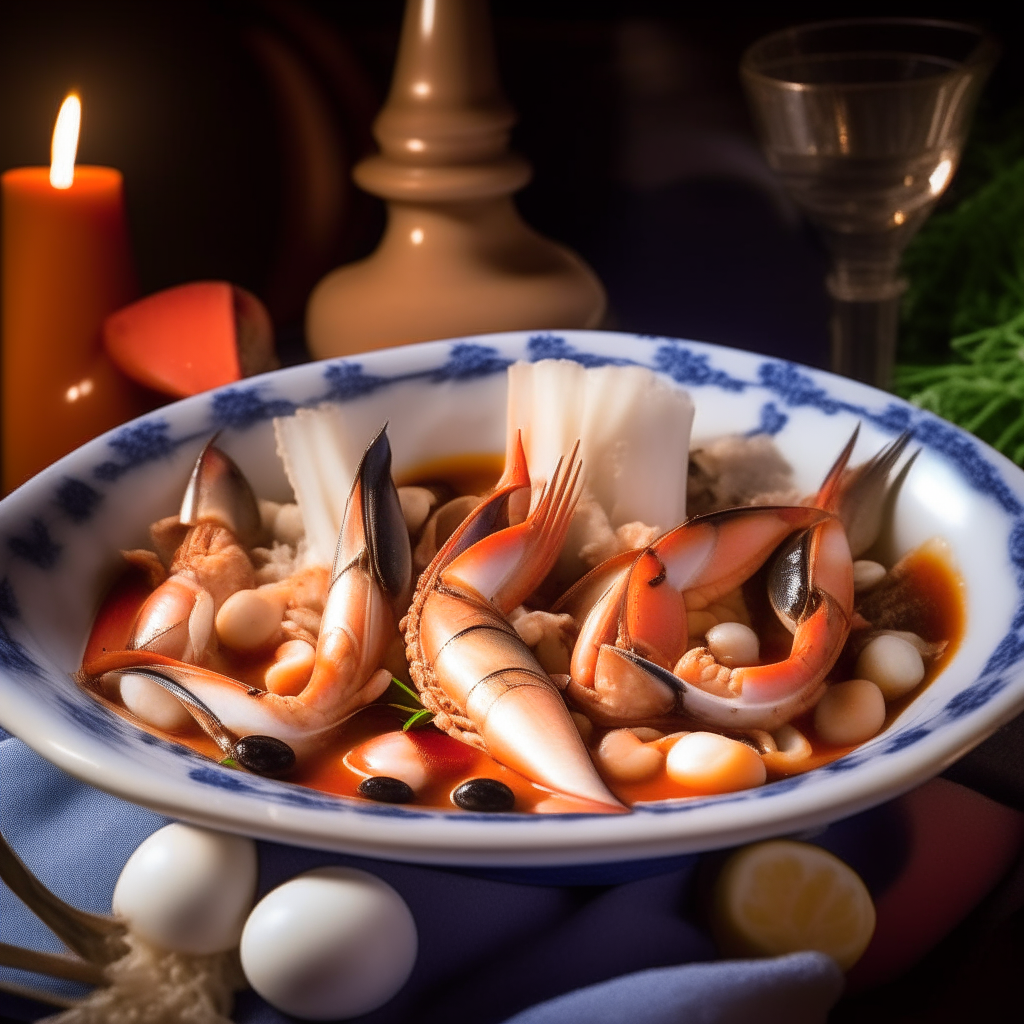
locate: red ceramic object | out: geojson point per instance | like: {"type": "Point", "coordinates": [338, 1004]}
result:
{"type": "Point", "coordinates": [961, 844]}
{"type": "Point", "coordinates": [191, 338]}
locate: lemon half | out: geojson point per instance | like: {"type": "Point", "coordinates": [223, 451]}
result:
{"type": "Point", "coordinates": [784, 897]}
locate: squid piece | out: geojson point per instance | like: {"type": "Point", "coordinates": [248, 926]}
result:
{"type": "Point", "coordinates": [471, 667]}
{"type": "Point", "coordinates": [370, 586]}
{"type": "Point", "coordinates": [222, 520]}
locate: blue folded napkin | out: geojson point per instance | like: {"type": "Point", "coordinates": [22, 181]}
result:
{"type": "Point", "coordinates": [490, 950]}
{"type": "Point", "coordinates": [796, 989]}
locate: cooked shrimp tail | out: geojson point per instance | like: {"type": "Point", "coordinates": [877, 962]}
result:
{"type": "Point", "coordinates": [506, 566]}
{"type": "Point", "coordinates": [370, 585]}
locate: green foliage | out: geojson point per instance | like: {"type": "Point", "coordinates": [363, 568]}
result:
{"type": "Point", "coordinates": [966, 268]}
{"type": "Point", "coordinates": [983, 390]}
{"type": "Point", "coordinates": [962, 339]}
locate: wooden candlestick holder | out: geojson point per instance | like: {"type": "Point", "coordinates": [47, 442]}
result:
{"type": "Point", "coordinates": [456, 258]}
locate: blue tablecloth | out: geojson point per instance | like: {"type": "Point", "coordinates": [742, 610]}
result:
{"type": "Point", "coordinates": [490, 950]}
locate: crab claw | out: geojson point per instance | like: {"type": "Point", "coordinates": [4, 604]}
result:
{"type": "Point", "coordinates": [219, 493]}
{"type": "Point", "coordinates": [812, 588]}
{"type": "Point", "coordinates": [210, 564]}
{"type": "Point", "coordinates": [374, 526]}
{"type": "Point", "coordinates": [819, 604]}
{"type": "Point", "coordinates": [370, 585]}
{"type": "Point", "coordinates": [644, 604]}
{"type": "Point", "coordinates": [712, 709]}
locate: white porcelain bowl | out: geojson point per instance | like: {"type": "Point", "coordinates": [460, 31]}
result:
{"type": "Point", "coordinates": [60, 536]}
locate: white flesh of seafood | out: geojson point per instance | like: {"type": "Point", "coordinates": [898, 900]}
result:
{"type": "Point", "coordinates": [320, 453]}
{"type": "Point", "coordinates": [625, 417]}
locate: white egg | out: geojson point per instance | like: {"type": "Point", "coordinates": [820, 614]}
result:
{"type": "Point", "coordinates": [188, 889]}
{"type": "Point", "coordinates": [331, 943]}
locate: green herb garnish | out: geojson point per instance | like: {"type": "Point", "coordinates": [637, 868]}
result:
{"type": "Point", "coordinates": [407, 702]}
{"type": "Point", "coordinates": [423, 717]}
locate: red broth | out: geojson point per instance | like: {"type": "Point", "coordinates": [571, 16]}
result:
{"type": "Point", "coordinates": [935, 611]}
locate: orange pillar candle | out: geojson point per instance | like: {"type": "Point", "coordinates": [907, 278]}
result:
{"type": "Point", "coordinates": [66, 265]}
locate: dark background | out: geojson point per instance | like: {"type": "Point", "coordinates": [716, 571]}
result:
{"type": "Point", "coordinates": [631, 113]}
{"type": "Point", "coordinates": [236, 126]}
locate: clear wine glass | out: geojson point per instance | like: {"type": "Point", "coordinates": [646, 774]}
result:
{"type": "Point", "coordinates": [865, 120]}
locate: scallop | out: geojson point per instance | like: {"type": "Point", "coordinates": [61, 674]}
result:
{"type": "Point", "coordinates": [893, 664]}
{"type": "Point", "coordinates": [392, 755]}
{"type": "Point", "coordinates": [415, 757]}
{"type": "Point", "coordinates": [148, 701]}
{"type": "Point", "coordinates": [710, 763]}
{"type": "Point", "coordinates": [850, 712]}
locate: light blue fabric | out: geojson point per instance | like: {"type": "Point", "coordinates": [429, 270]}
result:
{"type": "Point", "coordinates": [796, 989]}
{"type": "Point", "coordinates": [489, 950]}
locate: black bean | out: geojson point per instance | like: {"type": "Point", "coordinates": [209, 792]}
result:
{"type": "Point", "coordinates": [264, 755]}
{"type": "Point", "coordinates": [386, 790]}
{"type": "Point", "coordinates": [487, 795]}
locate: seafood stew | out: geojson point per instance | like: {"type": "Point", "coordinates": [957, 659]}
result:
{"type": "Point", "coordinates": [662, 672]}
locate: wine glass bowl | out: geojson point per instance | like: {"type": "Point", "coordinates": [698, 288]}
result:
{"type": "Point", "coordinates": [864, 120]}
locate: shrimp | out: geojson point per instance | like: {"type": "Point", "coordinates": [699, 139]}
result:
{"type": "Point", "coordinates": [370, 585]}
{"type": "Point", "coordinates": [472, 669]}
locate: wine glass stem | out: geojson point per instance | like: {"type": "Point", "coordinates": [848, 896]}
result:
{"type": "Point", "coordinates": [864, 330]}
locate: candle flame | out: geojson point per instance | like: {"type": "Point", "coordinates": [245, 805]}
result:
{"type": "Point", "coordinates": [65, 143]}
{"type": "Point", "coordinates": [79, 390]}
{"type": "Point", "coordinates": [939, 178]}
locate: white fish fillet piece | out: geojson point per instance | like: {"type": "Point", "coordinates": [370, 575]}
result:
{"type": "Point", "coordinates": [634, 432]}
{"type": "Point", "coordinates": [320, 455]}
{"type": "Point", "coordinates": [547, 406]}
